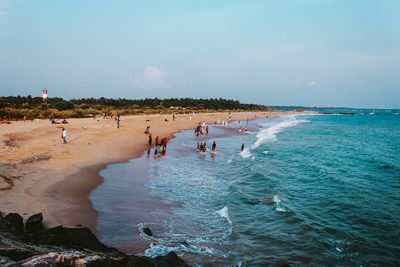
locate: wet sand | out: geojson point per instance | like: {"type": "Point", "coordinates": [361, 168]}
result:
{"type": "Point", "coordinates": [40, 174]}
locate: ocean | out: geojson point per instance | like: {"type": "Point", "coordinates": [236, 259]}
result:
{"type": "Point", "coordinates": [316, 190]}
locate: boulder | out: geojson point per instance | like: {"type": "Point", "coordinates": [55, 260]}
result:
{"type": "Point", "coordinates": [77, 238]}
{"type": "Point", "coordinates": [62, 246]}
{"type": "Point", "coordinates": [147, 231]}
{"type": "Point", "coordinates": [34, 223]}
{"type": "Point", "coordinates": [14, 223]}
{"type": "Point", "coordinates": [171, 259]}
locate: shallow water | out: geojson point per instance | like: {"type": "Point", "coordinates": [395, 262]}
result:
{"type": "Point", "coordinates": [326, 193]}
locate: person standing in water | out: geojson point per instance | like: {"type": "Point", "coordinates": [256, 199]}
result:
{"type": "Point", "coordinates": [214, 147]}
{"type": "Point", "coordinates": [64, 135]}
{"type": "Point", "coordinates": [165, 141]}
{"type": "Point", "coordinates": [242, 147]}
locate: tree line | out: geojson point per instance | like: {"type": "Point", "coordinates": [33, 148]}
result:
{"type": "Point", "coordinates": [21, 106]}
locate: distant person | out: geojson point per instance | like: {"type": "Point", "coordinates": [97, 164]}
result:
{"type": "Point", "coordinates": [150, 140]}
{"type": "Point", "coordinates": [156, 141]}
{"type": "Point", "coordinates": [165, 141]}
{"type": "Point", "coordinates": [207, 130]}
{"type": "Point", "coordinates": [214, 147]}
{"type": "Point", "coordinates": [159, 149]}
{"type": "Point", "coordinates": [118, 121]}
{"type": "Point", "coordinates": [242, 147]}
{"type": "Point", "coordinates": [147, 131]}
{"type": "Point", "coordinates": [173, 116]}
{"type": "Point", "coordinates": [64, 135]}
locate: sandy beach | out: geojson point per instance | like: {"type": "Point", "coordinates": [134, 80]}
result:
{"type": "Point", "coordinates": [38, 173]}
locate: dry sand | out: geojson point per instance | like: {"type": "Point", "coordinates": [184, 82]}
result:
{"type": "Point", "coordinates": [38, 173]}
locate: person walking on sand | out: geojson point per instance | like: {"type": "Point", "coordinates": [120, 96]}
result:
{"type": "Point", "coordinates": [150, 140]}
{"type": "Point", "coordinates": [64, 135]}
{"type": "Point", "coordinates": [156, 141]}
{"type": "Point", "coordinates": [118, 121]}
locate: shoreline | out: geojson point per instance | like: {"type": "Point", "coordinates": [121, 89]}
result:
{"type": "Point", "coordinates": [132, 177]}
{"type": "Point", "coordinates": [59, 178]}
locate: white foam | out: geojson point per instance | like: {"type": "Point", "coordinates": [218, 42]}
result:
{"type": "Point", "coordinates": [280, 209]}
{"type": "Point", "coordinates": [278, 206]}
{"type": "Point", "coordinates": [245, 153]}
{"type": "Point", "coordinates": [224, 213]}
{"type": "Point", "coordinates": [269, 134]}
{"type": "Point", "coordinates": [276, 199]}
{"type": "Point", "coordinates": [142, 233]}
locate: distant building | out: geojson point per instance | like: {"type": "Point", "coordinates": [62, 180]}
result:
{"type": "Point", "coordinates": [44, 94]}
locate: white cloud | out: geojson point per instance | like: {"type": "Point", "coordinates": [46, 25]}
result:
{"type": "Point", "coordinates": [311, 83]}
{"type": "Point", "coordinates": [152, 78]}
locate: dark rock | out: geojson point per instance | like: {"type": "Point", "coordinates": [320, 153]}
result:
{"type": "Point", "coordinates": [12, 247]}
{"type": "Point", "coordinates": [62, 246]}
{"type": "Point", "coordinates": [147, 231]}
{"type": "Point", "coordinates": [14, 223]}
{"type": "Point", "coordinates": [15, 253]}
{"type": "Point", "coordinates": [74, 258]}
{"type": "Point", "coordinates": [78, 238]}
{"type": "Point", "coordinates": [34, 223]}
{"type": "Point", "coordinates": [171, 259]}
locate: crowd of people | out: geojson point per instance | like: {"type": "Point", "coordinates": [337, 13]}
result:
{"type": "Point", "coordinates": [160, 145]}
{"type": "Point", "coordinates": [202, 128]}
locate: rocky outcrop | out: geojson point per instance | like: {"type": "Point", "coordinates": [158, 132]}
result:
{"type": "Point", "coordinates": [31, 245]}
{"type": "Point", "coordinates": [14, 223]}
{"type": "Point", "coordinates": [34, 223]}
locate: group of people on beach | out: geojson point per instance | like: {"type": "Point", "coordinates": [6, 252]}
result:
{"type": "Point", "coordinates": [202, 128]}
{"type": "Point", "coordinates": [159, 144]}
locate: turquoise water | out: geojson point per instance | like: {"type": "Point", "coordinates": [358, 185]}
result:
{"type": "Point", "coordinates": [327, 193]}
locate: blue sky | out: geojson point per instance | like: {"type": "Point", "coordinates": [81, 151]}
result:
{"type": "Point", "coordinates": [281, 52]}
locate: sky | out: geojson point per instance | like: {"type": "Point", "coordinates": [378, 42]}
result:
{"type": "Point", "coordinates": [272, 52]}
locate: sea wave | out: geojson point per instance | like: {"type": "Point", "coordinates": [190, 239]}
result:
{"type": "Point", "coordinates": [278, 204]}
{"type": "Point", "coordinates": [224, 213]}
{"type": "Point", "coordinates": [270, 134]}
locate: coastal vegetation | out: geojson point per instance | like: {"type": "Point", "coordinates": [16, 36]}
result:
{"type": "Point", "coordinates": [19, 107]}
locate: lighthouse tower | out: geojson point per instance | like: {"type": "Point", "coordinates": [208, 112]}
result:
{"type": "Point", "coordinates": [44, 95]}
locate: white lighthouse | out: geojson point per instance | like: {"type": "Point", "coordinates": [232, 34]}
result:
{"type": "Point", "coordinates": [44, 95]}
